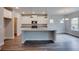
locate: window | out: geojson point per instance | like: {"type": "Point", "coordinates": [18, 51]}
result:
{"type": "Point", "coordinates": [62, 20]}
{"type": "Point", "coordinates": [51, 21]}
{"type": "Point", "coordinates": [74, 24]}
{"type": "Point", "coordinates": [66, 18]}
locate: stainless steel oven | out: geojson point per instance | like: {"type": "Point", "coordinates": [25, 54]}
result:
{"type": "Point", "coordinates": [34, 24]}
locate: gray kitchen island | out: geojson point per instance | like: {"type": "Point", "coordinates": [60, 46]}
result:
{"type": "Point", "coordinates": [38, 34]}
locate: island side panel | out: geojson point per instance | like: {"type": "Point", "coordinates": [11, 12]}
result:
{"type": "Point", "coordinates": [52, 35]}
{"type": "Point", "coordinates": [35, 35]}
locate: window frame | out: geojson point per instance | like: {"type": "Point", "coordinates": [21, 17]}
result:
{"type": "Point", "coordinates": [75, 24]}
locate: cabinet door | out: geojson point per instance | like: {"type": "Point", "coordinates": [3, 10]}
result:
{"type": "Point", "coordinates": [7, 13]}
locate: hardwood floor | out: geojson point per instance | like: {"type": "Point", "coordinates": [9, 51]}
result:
{"type": "Point", "coordinates": [63, 42]}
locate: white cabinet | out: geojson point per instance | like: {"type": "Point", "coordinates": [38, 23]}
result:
{"type": "Point", "coordinates": [39, 19]}
{"type": "Point", "coordinates": [42, 20]}
{"type": "Point", "coordinates": [26, 20]}
{"type": "Point", "coordinates": [7, 13]}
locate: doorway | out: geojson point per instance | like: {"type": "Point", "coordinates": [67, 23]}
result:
{"type": "Point", "coordinates": [8, 28]}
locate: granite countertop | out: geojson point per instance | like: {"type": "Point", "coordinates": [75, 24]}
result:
{"type": "Point", "coordinates": [36, 29]}
{"type": "Point", "coordinates": [41, 27]}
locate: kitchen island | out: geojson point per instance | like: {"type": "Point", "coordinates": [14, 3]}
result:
{"type": "Point", "coordinates": [38, 34]}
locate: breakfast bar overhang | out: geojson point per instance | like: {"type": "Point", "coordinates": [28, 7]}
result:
{"type": "Point", "coordinates": [37, 35]}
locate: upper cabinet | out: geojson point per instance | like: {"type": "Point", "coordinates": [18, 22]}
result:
{"type": "Point", "coordinates": [41, 19]}
{"type": "Point", "coordinates": [7, 13]}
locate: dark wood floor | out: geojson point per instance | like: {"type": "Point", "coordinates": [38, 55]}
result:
{"type": "Point", "coordinates": [63, 43]}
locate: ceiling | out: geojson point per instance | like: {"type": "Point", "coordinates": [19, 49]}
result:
{"type": "Point", "coordinates": [48, 10]}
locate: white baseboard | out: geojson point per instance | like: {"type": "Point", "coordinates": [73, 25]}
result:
{"type": "Point", "coordinates": [72, 34]}
{"type": "Point", "coordinates": [60, 33]}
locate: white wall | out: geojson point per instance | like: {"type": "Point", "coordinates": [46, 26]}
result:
{"type": "Point", "coordinates": [1, 27]}
{"type": "Point", "coordinates": [68, 24]}
{"type": "Point", "coordinates": [59, 27]}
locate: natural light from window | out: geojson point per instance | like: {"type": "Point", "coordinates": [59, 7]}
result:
{"type": "Point", "coordinates": [62, 20]}
{"type": "Point", "coordinates": [74, 24]}
{"type": "Point", "coordinates": [51, 21]}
